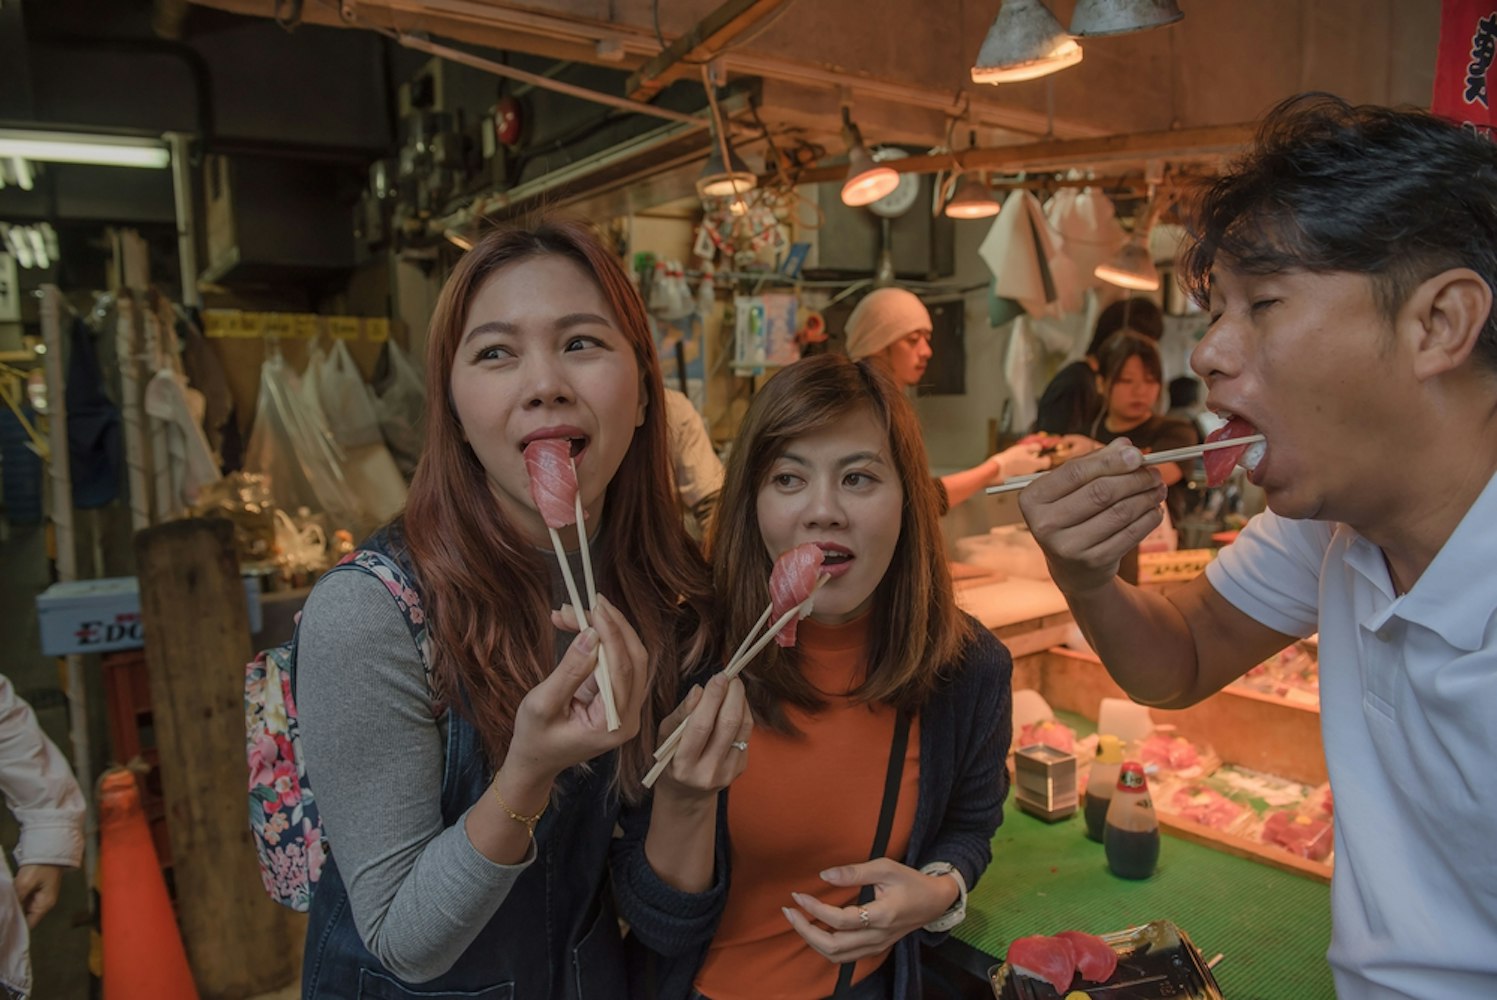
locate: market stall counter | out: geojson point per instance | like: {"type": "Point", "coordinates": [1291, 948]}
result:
{"type": "Point", "coordinates": [1271, 927]}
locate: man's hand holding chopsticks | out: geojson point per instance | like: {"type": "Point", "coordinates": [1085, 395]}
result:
{"type": "Point", "coordinates": [1090, 512]}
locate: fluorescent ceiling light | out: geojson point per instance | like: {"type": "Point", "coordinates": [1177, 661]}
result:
{"type": "Point", "coordinates": [72, 147]}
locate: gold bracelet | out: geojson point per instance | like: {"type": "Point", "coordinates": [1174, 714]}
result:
{"type": "Point", "coordinates": [529, 822]}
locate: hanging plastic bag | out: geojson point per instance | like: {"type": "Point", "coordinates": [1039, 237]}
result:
{"type": "Point", "coordinates": [191, 463]}
{"type": "Point", "coordinates": [367, 463]}
{"type": "Point", "coordinates": [400, 402]}
{"type": "Point", "coordinates": [346, 399]}
{"type": "Point", "coordinates": [292, 447]}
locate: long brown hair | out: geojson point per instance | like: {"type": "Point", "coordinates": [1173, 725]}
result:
{"type": "Point", "coordinates": [485, 587]}
{"type": "Point", "coordinates": [917, 629]}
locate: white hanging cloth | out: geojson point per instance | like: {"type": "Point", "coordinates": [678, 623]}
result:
{"type": "Point", "coordinates": [1018, 250]}
{"type": "Point", "coordinates": [185, 462]}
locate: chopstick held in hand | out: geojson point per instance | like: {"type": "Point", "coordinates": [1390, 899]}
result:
{"type": "Point", "coordinates": [741, 659]}
{"type": "Point", "coordinates": [1153, 458]}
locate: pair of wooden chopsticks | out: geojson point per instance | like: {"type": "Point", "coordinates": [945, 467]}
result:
{"type": "Point", "coordinates": [1153, 458]}
{"type": "Point", "coordinates": [747, 650]}
{"type": "Point", "coordinates": [600, 672]}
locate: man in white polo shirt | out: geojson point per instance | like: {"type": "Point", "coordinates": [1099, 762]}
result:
{"type": "Point", "coordinates": [1349, 263]}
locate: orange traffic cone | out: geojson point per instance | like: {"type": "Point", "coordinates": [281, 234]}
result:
{"type": "Point", "coordinates": [143, 952]}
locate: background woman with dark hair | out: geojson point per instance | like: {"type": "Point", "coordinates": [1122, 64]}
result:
{"type": "Point", "coordinates": [1071, 402]}
{"type": "Point", "coordinates": [1132, 381]}
{"type": "Point", "coordinates": [1131, 375]}
{"type": "Point", "coordinates": [471, 807]}
{"type": "Point", "coordinates": [830, 453]}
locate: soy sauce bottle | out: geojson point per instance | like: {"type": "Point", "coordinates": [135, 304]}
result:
{"type": "Point", "coordinates": [1131, 837]}
{"type": "Point", "coordinates": [1099, 785]}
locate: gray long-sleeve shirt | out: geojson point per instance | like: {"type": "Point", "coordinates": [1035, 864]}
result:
{"type": "Point", "coordinates": [419, 892]}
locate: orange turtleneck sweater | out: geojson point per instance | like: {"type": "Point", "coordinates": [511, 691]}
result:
{"type": "Point", "coordinates": [805, 804]}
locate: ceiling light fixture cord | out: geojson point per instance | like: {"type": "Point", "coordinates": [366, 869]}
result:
{"type": "Point", "coordinates": [709, 83]}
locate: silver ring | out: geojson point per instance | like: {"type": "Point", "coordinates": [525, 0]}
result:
{"type": "Point", "coordinates": [866, 920]}
{"type": "Point", "coordinates": [740, 744]}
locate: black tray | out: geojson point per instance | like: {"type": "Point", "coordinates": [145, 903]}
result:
{"type": "Point", "coordinates": [1156, 960]}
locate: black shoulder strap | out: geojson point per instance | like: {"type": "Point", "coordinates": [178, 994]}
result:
{"type": "Point", "coordinates": [893, 778]}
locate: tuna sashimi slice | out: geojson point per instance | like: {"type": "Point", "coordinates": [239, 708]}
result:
{"type": "Point", "coordinates": [791, 582]}
{"type": "Point", "coordinates": [1095, 959]}
{"type": "Point", "coordinates": [553, 480]}
{"type": "Point", "coordinates": [1049, 959]}
{"type": "Point", "coordinates": [1220, 463]}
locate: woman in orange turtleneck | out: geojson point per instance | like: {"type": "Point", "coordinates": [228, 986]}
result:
{"type": "Point", "coordinates": [830, 452]}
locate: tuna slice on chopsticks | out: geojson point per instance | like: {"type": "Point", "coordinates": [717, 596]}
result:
{"type": "Point", "coordinates": [791, 583]}
{"type": "Point", "coordinates": [553, 480]}
{"type": "Point", "coordinates": [553, 487]}
{"type": "Point", "coordinates": [1220, 463]}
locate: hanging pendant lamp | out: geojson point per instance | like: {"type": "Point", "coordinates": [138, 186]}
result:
{"type": "Point", "coordinates": [867, 179]}
{"type": "Point", "coordinates": [1093, 18]}
{"type": "Point", "coordinates": [1025, 42]}
{"type": "Point", "coordinates": [1131, 267]}
{"type": "Point", "coordinates": [971, 200]}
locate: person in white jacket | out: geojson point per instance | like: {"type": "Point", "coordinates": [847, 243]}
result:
{"type": "Point", "coordinates": [42, 794]}
{"type": "Point", "coordinates": [699, 472]}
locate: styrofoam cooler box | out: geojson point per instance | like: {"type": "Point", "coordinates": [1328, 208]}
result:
{"type": "Point", "coordinates": [100, 616]}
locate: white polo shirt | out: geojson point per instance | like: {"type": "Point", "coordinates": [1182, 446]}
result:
{"type": "Point", "coordinates": [1408, 713]}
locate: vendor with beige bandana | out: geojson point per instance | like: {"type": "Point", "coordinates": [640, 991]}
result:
{"type": "Point", "coordinates": [892, 325]}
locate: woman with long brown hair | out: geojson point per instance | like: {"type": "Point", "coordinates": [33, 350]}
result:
{"type": "Point", "coordinates": [890, 715]}
{"type": "Point", "coordinates": [451, 726]}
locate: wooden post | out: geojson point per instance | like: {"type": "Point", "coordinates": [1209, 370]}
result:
{"type": "Point", "coordinates": [192, 604]}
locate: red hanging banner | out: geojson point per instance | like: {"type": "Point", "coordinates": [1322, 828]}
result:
{"type": "Point", "coordinates": [1468, 43]}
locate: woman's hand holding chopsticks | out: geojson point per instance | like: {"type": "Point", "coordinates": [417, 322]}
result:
{"type": "Point", "coordinates": [746, 652]}
{"type": "Point", "coordinates": [561, 722]}
{"type": "Point", "coordinates": [711, 753]}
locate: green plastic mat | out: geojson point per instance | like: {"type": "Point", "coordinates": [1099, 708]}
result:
{"type": "Point", "coordinates": [1272, 927]}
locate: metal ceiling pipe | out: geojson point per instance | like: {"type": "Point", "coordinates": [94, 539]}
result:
{"type": "Point", "coordinates": [537, 80]}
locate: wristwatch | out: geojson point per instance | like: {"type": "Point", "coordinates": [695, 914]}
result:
{"type": "Point", "coordinates": [958, 910]}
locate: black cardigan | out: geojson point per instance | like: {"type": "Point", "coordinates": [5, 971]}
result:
{"type": "Point", "coordinates": [965, 730]}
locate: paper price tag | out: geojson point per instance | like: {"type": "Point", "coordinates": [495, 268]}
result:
{"type": "Point", "coordinates": [281, 326]}
{"type": "Point", "coordinates": [308, 325]}
{"type": "Point", "coordinates": [343, 327]}
{"type": "Point", "coordinates": [222, 323]}
{"type": "Point", "coordinates": [377, 329]}
{"type": "Point", "coordinates": [1183, 564]}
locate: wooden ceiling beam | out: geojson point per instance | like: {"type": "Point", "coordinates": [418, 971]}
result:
{"type": "Point", "coordinates": [702, 43]}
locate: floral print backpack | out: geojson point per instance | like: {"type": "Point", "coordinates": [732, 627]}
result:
{"type": "Point", "coordinates": [283, 816]}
